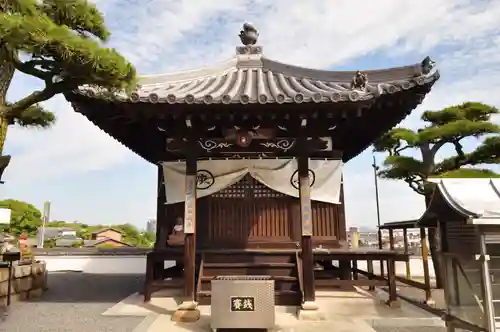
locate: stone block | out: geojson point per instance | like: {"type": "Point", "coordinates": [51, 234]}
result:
{"type": "Point", "coordinates": [45, 280]}
{"type": "Point", "coordinates": [23, 284]}
{"type": "Point", "coordinates": [186, 316]}
{"type": "Point", "coordinates": [15, 297]}
{"type": "Point", "coordinates": [22, 271]}
{"type": "Point", "coordinates": [19, 296]}
{"type": "Point", "coordinates": [35, 293]}
{"type": "Point", "coordinates": [39, 281]}
{"type": "Point", "coordinates": [4, 274]}
{"type": "Point", "coordinates": [38, 268]}
{"type": "Point", "coordinates": [28, 281]}
{"type": "Point", "coordinates": [4, 288]}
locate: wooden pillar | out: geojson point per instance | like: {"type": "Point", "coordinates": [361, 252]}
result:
{"type": "Point", "coordinates": [154, 263]}
{"type": "Point", "coordinates": [190, 230]}
{"type": "Point", "coordinates": [188, 310]}
{"type": "Point", "coordinates": [306, 229]}
{"type": "Point", "coordinates": [157, 263]}
{"type": "Point", "coordinates": [425, 265]}
{"type": "Point", "coordinates": [309, 308]}
{"type": "Point", "coordinates": [405, 243]}
{"type": "Point", "coordinates": [344, 264]}
{"type": "Point", "coordinates": [391, 280]}
{"type": "Point", "coordinates": [161, 216]}
{"type": "Point", "coordinates": [380, 246]}
{"type": "Point", "coordinates": [391, 238]}
{"type": "Point", "coordinates": [355, 245]}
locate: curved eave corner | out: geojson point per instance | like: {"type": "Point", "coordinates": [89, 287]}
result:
{"type": "Point", "coordinates": [478, 200]}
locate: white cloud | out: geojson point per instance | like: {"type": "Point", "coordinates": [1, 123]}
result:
{"type": "Point", "coordinates": [171, 35]}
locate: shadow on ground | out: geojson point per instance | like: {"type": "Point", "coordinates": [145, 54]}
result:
{"type": "Point", "coordinates": [77, 287]}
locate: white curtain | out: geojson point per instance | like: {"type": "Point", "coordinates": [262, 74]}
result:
{"type": "Point", "coordinates": [325, 177]}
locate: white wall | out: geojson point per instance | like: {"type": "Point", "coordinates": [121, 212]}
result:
{"type": "Point", "coordinates": [97, 264]}
{"type": "Point", "coordinates": [137, 264]}
{"type": "Point", "coordinates": [416, 267]}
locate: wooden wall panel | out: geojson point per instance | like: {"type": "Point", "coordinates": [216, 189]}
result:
{"type": "Point", "coordinates": [248, 211]}
{"type": "Point", "coordinates": [325, 219]}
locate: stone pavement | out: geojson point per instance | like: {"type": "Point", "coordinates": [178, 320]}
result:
{"type": "Point", "coordinates": [75, 302]}
{"type": "Point", "coordinates": [355, 310]}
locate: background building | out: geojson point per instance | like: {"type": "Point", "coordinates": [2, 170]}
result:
{"type": "Point", "coordinates": [151, 225]}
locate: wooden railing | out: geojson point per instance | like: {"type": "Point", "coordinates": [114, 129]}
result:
{"type": "Point", "coordinates": [424, 282]}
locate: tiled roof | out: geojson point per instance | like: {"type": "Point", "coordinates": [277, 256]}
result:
{"type": "Point", "coordinates": [108, 229]}
{"type": "Point", "coordinates": [477, 198]}
{"type": "Point", "coordinates": [252, 78]}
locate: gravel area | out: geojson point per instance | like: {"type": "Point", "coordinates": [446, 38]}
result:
{"type": "Point", "coordinates": [74, 303]}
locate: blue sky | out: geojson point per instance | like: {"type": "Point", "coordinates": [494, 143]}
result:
{"type": "Point", "coordinates": [91, 178]}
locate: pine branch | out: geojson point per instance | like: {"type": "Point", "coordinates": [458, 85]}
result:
{"type": "Point", "coordinates": [469, 173]}
{"type": "Point", "coordinates": [36, 97]}
{"type": "Point", "coordinates": [396, 141]}
{"type": "Point", "coordinates": [34, 116]}
{"type": "Point", "coordinates": [80, 15]}
{"type": "Point", "coordinates": [451, 131]}
{"type": "Point", "coordinates": [486, 153]}
{"type": "Point", "coordinates": [29, 68]}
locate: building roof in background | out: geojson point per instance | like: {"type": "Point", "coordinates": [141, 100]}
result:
{"type": "Point", "coordinates": [52, 232]}
{"type": "Point", "coordinates": [93, 243]}
{"type": "Point", "coordinates": [476, 199]}
{"type": "Point", "coordinates": [67, 241]}
{"type": "Point", "coordinates": [108, 229]}
{"type": "Point", "coordinates": [6, 237]}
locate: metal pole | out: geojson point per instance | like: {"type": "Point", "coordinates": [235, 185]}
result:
{"type": "Point", "coordinates": [9, 285]}
{"type": "Point", "coordinates": [375, 180]}
{"type": "Point", "coordinates": [45, 220]}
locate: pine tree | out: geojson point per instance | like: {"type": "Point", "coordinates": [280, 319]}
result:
{"type": "Point", "coordinates": [60, 43]}
{"type": "Point", "coordinates": [450, 126]}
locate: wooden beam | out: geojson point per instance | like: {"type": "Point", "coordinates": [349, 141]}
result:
{"type": "Point", "coordinates": [322, 147]}
{"type": "Point", "coordinates": [190, 229]}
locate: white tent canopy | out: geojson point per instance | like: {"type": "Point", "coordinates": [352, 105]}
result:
{"type": "Point", "coordinates": [278, 174]}
{"type": "Point", "coordinates": [477, 198]}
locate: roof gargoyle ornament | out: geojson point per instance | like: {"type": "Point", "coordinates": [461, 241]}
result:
{"type": "Point", "coordinates": [249, 34]}
{"type": "Point", "coordinates": [359, 81]}
{"type": "Point", "coordinates": [427, 65]}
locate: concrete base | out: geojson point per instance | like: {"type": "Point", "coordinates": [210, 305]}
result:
{"type": "Point", "coordinates": [309, 305]}
{"type": "Point", "coordinates": [431, 303]}
{"type": "Point", "coordinates": [309, 311]}
{"type": "Point", "coordinates": [393, 304]}
{"type": "Point", "coordinates": [310, 315]}
{"type": "Point", "coordinates": [186, 316]}
{"type": "Point", "coordinates": [339, 311]}
{"type": "Point", "coordinates": [188, 305]}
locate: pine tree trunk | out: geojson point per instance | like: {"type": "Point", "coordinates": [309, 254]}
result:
{"type": "Point", "coordinates": [6, 75]}
{"type": "Point", "coordinates": [433, 237]}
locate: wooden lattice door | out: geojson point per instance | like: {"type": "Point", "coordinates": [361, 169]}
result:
{"type": "Point", "coordinates": [249, 212]}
